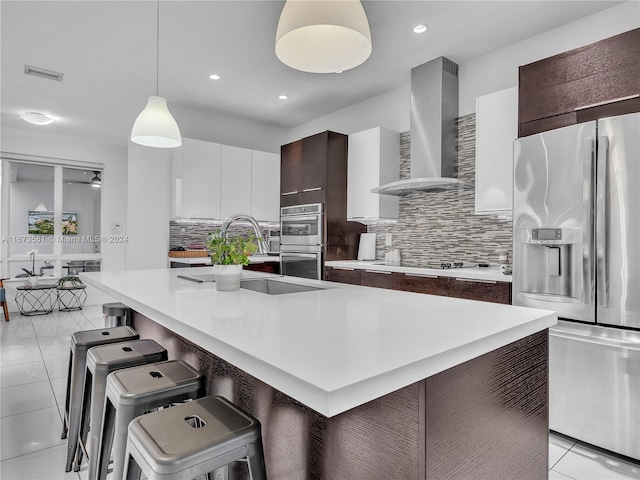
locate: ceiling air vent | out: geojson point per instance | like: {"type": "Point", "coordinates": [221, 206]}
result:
{"type": "Point", "coordinates": [43, 73]}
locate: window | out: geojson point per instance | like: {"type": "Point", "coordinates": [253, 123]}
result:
{"type": "Point", "coordinates": [52, 209]}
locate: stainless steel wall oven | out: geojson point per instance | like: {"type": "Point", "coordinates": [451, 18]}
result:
{"type": "Point", "coordinates": [301, 237]}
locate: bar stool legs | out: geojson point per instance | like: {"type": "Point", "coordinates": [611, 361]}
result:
{"type": "Point", "coordinates": [80, 344]}
{"type": "Point", "coordinates": [132, 392]}
{"type": "Point", "coordinates": [101, 361]}
{"type": "Point", "coordinates": [193, 439]}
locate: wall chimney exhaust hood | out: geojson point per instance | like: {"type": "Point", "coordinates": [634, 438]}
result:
{"type": "Point", "coordinates": [434, 110]}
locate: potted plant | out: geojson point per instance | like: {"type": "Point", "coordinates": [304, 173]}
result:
{"type": "Point", "coordinates": [69, 281]}
{"type": "Point", "coordinates": [32, 278]}
{"type": "Point", "coordinates": [228, 255]}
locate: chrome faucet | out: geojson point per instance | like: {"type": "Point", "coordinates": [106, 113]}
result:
{"type": "Point", "coordinates": [263, 248]}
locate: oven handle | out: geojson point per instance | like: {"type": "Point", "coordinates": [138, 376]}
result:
{"type": "Point", "coordinates": [303, 255]}
{"type": "Point", "coordinates": [298, 218]}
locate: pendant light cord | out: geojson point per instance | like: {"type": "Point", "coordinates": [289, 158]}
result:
{"type": "Point", "coordinates": [157, 48]}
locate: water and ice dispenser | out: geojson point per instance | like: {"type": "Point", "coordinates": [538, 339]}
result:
{"type": "Point", "coordinates": [552, 267]}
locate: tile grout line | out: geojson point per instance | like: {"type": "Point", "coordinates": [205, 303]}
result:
{"type": "Point", "coordinates": [562, 456]}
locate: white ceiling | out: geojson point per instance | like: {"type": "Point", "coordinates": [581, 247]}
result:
{"type": "Point", "coordinates": [107, 52]}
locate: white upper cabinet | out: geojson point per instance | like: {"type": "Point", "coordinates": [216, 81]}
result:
{"type": "Point", "coordinates": [235, 187]}
{"type": "Point", "coordinates": [374, 159]}
{"type": "Point", "coordinates": [214, 181]}
{"type": "Point", "coordinates": [496, 129]}
{"type": "Point", "coordinates": [196, 178]}
{"type": "Point", "coordinates": [265, 186]}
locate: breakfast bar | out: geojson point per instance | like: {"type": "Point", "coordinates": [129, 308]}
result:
{"type": "Point", "coordinates": [359, 382]}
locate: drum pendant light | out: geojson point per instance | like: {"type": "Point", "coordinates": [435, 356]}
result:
{"type": "Point", "coordinates": [323, 36]}
{"type": "Point", "coordinates": [155, 126]}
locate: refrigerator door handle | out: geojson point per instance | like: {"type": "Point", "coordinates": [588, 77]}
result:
{"type": "Point", "coordinates": [588, 268]}
{"type": "Point", "coordinates": [602, 279]}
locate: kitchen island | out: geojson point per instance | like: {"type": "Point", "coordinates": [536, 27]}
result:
{"type": "Point", "coordinates": [360, 383]}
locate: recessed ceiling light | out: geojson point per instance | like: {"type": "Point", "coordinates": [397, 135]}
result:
{"type": "Point", "coordinates": [283, 97]}
{"type": "Point", "coordinates": [36, 118]}
{"type": "Point", "coordinates": [213, 76]}
{"type": "Point", "coordinates": [420, 28]}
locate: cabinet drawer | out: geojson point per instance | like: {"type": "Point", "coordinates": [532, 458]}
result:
{"type": "Point", "coordinates": [483, 290]}
{"type": "Point", "coordinates": [343, 275]}
{"type": "Point", "coordinates": [374, 278]}
{"type": "Point", "coordinates": [419, 283]}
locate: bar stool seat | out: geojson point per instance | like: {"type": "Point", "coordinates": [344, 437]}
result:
{"type": "Point", "coordinates": [101, 361]}
{"type": "Point", "coordinates": [81, 342]}
{"type": "Point", "coordinates": [132, 392]}
{"type": "Point", "coordinates": [193, 439]}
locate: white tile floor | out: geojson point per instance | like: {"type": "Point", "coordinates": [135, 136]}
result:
{"type": "Point", "coordinates": [33, 368]}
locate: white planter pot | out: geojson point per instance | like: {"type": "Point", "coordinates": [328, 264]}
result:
{"type": "Point", "coordinates": [227, 277]}
{"type": "Point", "coordinates": [32, 281]}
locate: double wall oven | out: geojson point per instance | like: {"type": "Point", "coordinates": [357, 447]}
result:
{"type": "Point", "coordinates": [301, 241]}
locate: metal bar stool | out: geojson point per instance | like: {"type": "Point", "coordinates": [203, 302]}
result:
{"type": "Point", "coordinates": [134, 391]}
{"type": "Point", "coordinates": [193, 439]}
{"type": "Point", "coordinates": [101, 361]}
{"type": "Point", "coordinates": [81, 342]}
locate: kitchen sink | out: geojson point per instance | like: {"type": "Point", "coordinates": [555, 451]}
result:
{"type": "Point", "coordinates": [275, 287]}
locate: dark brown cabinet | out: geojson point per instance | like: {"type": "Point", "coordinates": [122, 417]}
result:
{"type": "Point", "coordinates": [343, 275]}
{"type": "Point", "coordinates": [483, 290]}
{"type": "Point", "coordinates": [313, 169]}
{"type": "Point", "coordinates": [471, 289]}
{"type": "Point", "coordinates": [422, 283]}
{"type": "Point", "coordinates": [595, 81]}
{"type": "Point", "coordinates": [380, 279]}
{"type": "Point", "coordinates": [268, 267]}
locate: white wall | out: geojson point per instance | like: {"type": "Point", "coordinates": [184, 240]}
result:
{"type": "Point", "coordinates": [148, 207]}
{"type": "Point", "coordinates": [389, 110]}
{"type": "Point", "coordinates": [228, 129]}
{"type": "Point", "coordinates": [492, 72]}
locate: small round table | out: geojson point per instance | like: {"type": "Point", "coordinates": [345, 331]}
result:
{"type": "Point", "coordinates": [71, 298]}
{"type": "Point", "coordinates": [38, 300]}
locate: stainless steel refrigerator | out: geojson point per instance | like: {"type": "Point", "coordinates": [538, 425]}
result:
{"type": "Point", "coordinates": [576, 250]}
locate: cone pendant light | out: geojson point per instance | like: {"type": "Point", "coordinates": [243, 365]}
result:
{"type": "Point", "coordinates": [155, 126]}
{"type": "Point", "coordinates": [323, 36]}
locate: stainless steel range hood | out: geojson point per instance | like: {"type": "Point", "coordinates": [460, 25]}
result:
{"type": "Point", "coordinates": [434, 110]}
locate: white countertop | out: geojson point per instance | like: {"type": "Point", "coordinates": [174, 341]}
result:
{"type": "Point", "coordinates": [207, 260]}
{"type": "Point", "coordinates": [493, 274]}
{"type": "Point", "coordinates": [331, 349]}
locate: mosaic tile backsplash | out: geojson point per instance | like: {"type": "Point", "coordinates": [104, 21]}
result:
{"type": "Point", "coordinates": [432, 228]}
{"type": "Point", "coordinates": [442, 226]}
{"type": "Point", "coordinates": [183, 233]}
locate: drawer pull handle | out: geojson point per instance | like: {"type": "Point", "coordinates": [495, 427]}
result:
{"type": "Point", "coordinates": [473, 280]}
{"type": "Point", "coordinates": [344, 268]}
{"type": "Point", "coordinates": [378, 271]}
{"type": "Point", "coordinates": [606, 102]}
{"type": "Point", "coordinates": [420, 275]}
{"type": "Point", "coordinates": [311, 189]}
{"type": "Point", "coordinates": [289, 193]}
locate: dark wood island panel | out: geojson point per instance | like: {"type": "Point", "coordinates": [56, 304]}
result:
{"type": "Point", "coordinates": [485, 418]}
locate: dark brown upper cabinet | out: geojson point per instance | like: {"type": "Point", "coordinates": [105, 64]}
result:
{"type": "Point", "coordinates": [314, 170]}
{"type": "Point", "coordinates": [595, 81]}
